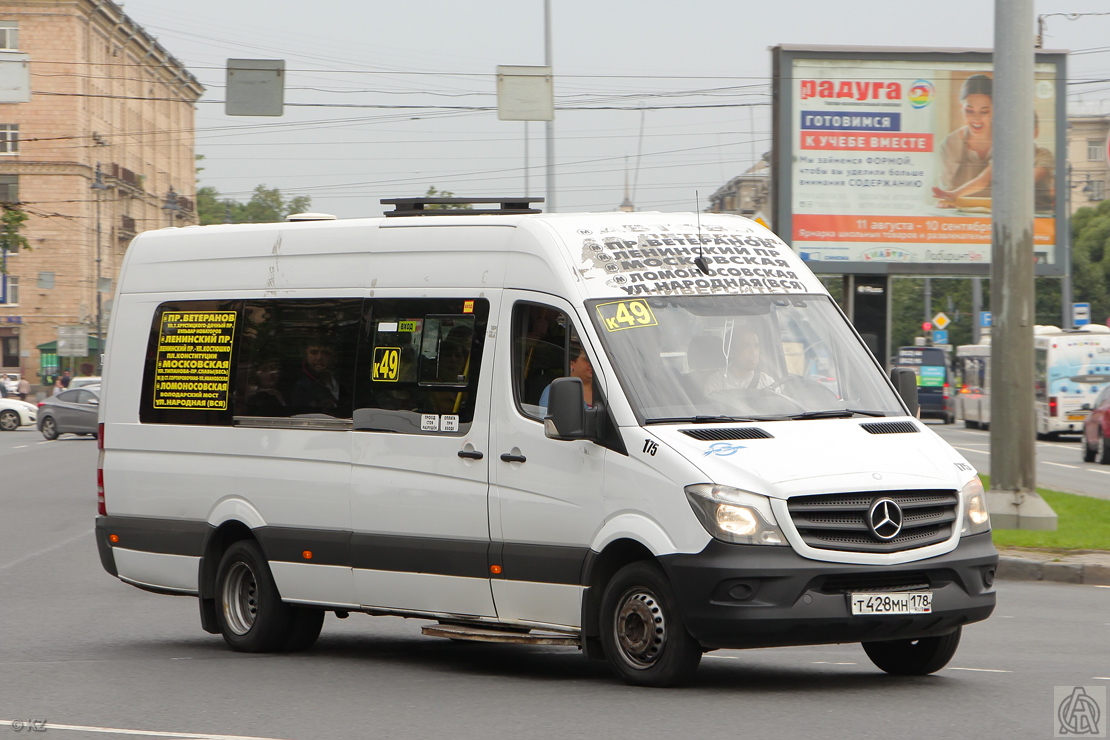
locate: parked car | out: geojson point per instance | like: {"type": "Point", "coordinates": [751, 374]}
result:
{"type": "Point", "coordinates": [84, 381]}
{"type": "Point", "coordinates": [73, 410]}
{"type": "Point", "coordinates": [10, 381]}
{"type": "Point", "coordinates": [1096, 429]}
{"type": "Point", "coordinates": [15, 414]}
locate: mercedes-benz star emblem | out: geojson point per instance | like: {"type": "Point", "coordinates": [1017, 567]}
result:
{"type": "Point", "coordinates": [885, 518]}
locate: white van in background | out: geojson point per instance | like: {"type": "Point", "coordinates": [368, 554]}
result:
{"type": "Point", "coordinates": [647, 435]}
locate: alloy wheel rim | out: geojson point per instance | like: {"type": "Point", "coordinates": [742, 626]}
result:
{"type": "Point", "coordinates": [240, 598]}
{"type": "Point", "coordinates": [640, 628]}
{"type": "Point", "coordinates": [9, 421]}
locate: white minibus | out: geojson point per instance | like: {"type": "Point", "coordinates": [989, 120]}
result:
{"type": "Point", "coordinates": [642, 435]}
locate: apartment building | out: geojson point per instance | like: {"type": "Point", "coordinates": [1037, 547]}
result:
{"type": "Point", "coordinates": [1088, 142]}
{"type": "Point", "coordinates": [99, 149]}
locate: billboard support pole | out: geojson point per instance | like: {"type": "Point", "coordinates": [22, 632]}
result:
{"type": "Point", "coordinates": [1013, 500]}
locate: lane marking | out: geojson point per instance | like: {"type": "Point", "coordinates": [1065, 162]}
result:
{"type": "Point", "coordinates": [724, 657]}
{"type": "Point", "coordinates": [968, 449]}
{"type": "Point", "coordinates": [20, 447]}
{"type": "Point", "coordinates": [1062, 465]}
{"type": "Point", "coordinates": [829, 662]}
{"type": "Point", "coordinates": [980, 670]}
{"type": "Point", "coordinates": [142, 733]}
{"type": "Point", "coordinates": [1101, 678]}
{"type": "Point", "coordinates": [43, 551]}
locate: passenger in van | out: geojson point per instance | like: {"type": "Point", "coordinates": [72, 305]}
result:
{"type": "Point", "coordinates": [743, 363]}
{"type": "Point", "coordinates": [580, 368]}
{"type": "Point", "coordinates": [267, 398]}
{"type": "Point", "coordinates": [317, 390]}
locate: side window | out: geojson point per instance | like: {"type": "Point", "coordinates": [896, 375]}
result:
{"type": "Point", "coordinates": [189, 363]}
{"type": "Point", "coordinates": [298, 358]}
{"type": "Point", "coordinates": [545, 347]}
{"type": "Point", "coordinates": [84, 397]}
{"type": "Point", "coordinates": [418, 368]}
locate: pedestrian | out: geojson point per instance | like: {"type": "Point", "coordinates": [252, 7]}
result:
{"type": "Point", "coordinates": [23, 389]}
{"type": "Point", "coordinates": [58, 385]}
{"type": "Point", "coordinates": [65, 379]}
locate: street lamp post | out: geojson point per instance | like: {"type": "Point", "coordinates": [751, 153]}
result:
{"type": "Point", "coordinates": [98, 185]}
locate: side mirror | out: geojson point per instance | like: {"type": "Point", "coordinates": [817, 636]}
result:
{"type": "Point", "coordinates": [566, 410]}
{"type": "Point", "coordinates": [905, 382]}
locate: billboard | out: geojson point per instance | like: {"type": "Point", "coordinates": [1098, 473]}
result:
{"type": "Point", "coordinates": [883, 159]}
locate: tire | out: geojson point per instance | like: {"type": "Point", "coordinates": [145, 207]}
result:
{"type": "Point", "coordinates": [48, 427]}
{"type": "Point", "coordinates": [249, 611]}
{"type": "Point", "coordinates": [1088, 452]}
{"type": "Point", "coordinates": [642, 632]}
{"type": "Point", "coordinates": [9, 420]}
{"type": "Point", "coordinates": [971, 424]}
{"type": "Point", "coordinates": [1102, 448]}
{"type": "Point", "coordinates": [913, 657]}
{"type": "Point", "coordinates": [950, 418]}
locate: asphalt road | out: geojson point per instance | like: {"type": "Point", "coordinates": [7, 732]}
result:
{"type": "Point", "coordinates": [1060, 465]}
{"type": "Point", "coordinates": [86, 652]}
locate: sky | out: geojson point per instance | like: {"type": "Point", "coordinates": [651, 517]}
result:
{"type": "Point", "coordinates": [668, 100]}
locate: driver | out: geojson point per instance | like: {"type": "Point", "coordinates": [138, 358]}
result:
{"type": "Point", "coordinates": [742, 368]}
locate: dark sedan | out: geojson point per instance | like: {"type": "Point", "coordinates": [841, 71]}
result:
{"type": "Point", "coordinates": [71, 411]}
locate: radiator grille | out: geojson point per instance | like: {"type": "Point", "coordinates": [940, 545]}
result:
{"type": "Point", "coordinates": [716, 435]}
{"type": "Point", "coordinates": [839, 521]}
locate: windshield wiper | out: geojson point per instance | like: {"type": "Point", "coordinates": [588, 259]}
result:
{"type": "Point", "coordinates": [700, 419]}
{"type": "Point", "coordinates": [835, 414]}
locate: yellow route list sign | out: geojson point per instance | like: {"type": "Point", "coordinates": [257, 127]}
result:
{"type": "Point", "coordinates": [193, 369]}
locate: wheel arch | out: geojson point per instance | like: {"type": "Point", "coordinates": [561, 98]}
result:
{"type": "Point", "coordinates": [598, 570]}
{"type": "Point", "coordinates": [220, 537]}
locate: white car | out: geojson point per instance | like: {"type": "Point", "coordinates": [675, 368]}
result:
{"type": "Point", "coordinates": [15, 413]}
{"type": "Point", "coordinates": [10, 381]}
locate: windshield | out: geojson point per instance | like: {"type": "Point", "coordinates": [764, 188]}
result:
{"type": "Point", "coordinates": [722, 358]}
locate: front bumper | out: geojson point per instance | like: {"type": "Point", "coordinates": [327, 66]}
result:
{"type": "Point", "coordinates": [744, 596]}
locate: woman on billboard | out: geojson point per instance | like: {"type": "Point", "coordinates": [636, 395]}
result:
{"type": "Point", "coordinates": [965, 153]}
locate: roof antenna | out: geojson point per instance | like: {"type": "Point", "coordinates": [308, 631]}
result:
{"type": "Point", "coordinates": [700, 259]}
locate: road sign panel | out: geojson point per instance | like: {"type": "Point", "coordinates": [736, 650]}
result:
{"type": "Point", "coordinates": [940, 337]}
{"type": "Point", "coordinates": [1080, 314]}
{"type": "Point", "coordinates": [941, 320]}
{"type": "Point", "coordinates": [984, 319]}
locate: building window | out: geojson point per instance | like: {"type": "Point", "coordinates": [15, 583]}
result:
{"type": "Point", "coordinates": [9, 290]}
{"type": "Point", "coordinates": [9, 138]}
{"type": "Point", "coordinates": [1098, 190]}
{"type": "Point", "coordinates": [1095, 150]}
{"type": "Point", "coordinates": [9, 351]}
{"type": "Point", "coordinates": [9, 34]}
{"type": "Point", "coordinates": [9, 188]}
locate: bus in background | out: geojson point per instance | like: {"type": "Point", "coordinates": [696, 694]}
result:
{"type": "Point", "coordinates": [934, 389]}
{"type": "Point", "coordinates": [934, 381]}
{"type": "Point", "coordinates": [1070, 367]}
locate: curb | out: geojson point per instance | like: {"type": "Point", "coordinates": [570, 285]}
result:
{"type": "Point", "coordinates": [1021, 569]}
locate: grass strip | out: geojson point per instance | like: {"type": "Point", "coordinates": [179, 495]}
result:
{"type": "Point", "coordinates": [1083, 524]}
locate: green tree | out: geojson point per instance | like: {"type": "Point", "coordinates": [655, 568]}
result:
{"type": "Point", "coordinates": [267, 205]}
{"type": "Point", "coordinates": [10, 225]}
{"type": "Point", "coordinates": [1090, 228]}
{"type": "Point", "coordinates": [433, 193]}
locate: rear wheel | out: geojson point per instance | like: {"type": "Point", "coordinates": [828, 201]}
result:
{"type": "Point", "coordinates": [913, 657]}
{"type": "Point", "coordinates": [249, 611]}
{"type": "Point", "coordinates": [9, 420]}
{"type": "Point", "coordinates": [642, 632]}
{"type": "Point", "coordinates": [971, 424]}
{"type": "Point", "coordinates": [1102, 449]}
{"type": "Point", "coordinates": [1088, 451]}
{"type": "Point", "coordinates": [48, 427]}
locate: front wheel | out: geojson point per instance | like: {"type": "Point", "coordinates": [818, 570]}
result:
{"type": "Point", "coordinates": [9, 420]}
{"type": "Point", "coordinates": [642, 632]}
{"type": "Point", "coordinates": [1102, 449]}
{"type": "Point", "coordinates": [49, 427]}
{"type": "Point", "coordinates": [913, 657]}
{"type": "Point", "coordinates": [249, 611]}
{"type": "Point", "coordinates": [1088, 451]}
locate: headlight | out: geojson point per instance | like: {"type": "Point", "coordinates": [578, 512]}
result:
{"type": "Point", "coordinates": [733, 515]}
{"type": "Point", "coordinates": [976, 517]}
